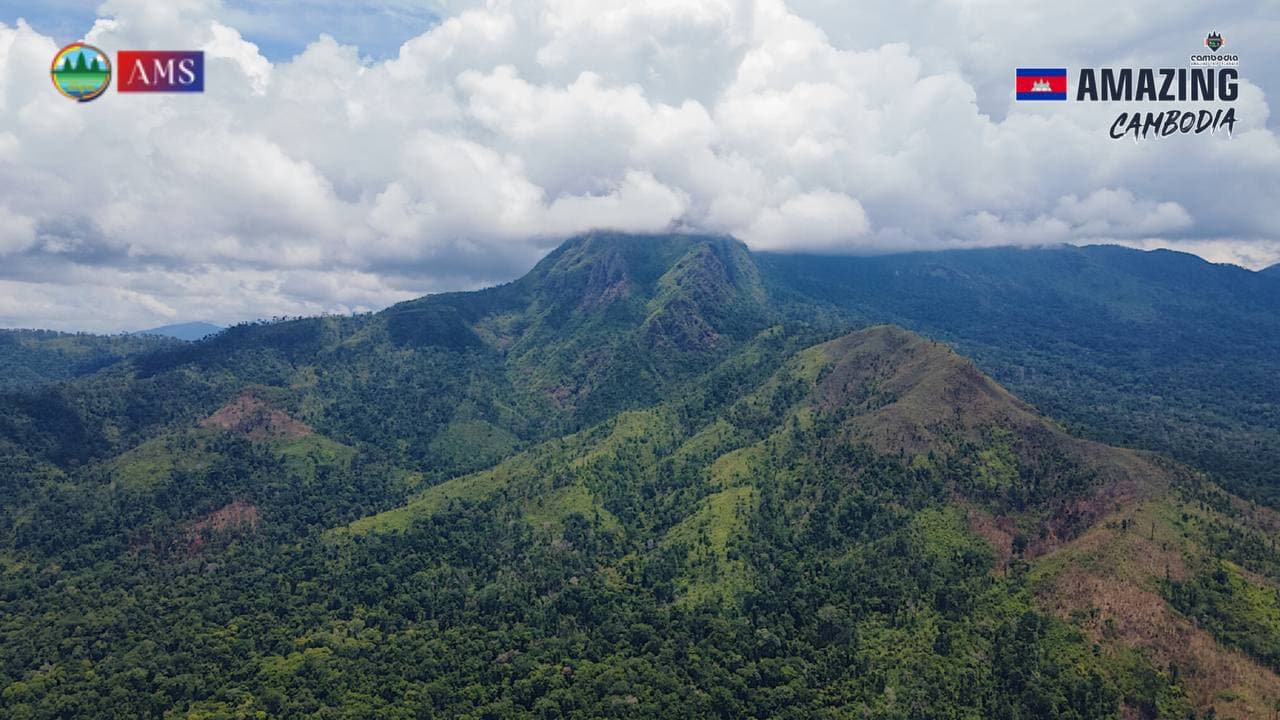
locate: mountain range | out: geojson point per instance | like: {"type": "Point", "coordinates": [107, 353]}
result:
{"type": "Point", "coordinates": [31, 358]}
{"type": "Point", "coordinates": [666, 476]}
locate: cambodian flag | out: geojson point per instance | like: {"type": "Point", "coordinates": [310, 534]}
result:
{"type": "Point", "coordinates": [1042, 84]}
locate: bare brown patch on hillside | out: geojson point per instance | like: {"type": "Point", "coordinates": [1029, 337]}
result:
{"type": "Point", "coordinates": [235, 517]}
{"type": "Point", "coordinates": [1107, 581]}
{"type": "Point", "coordinates": [997, 531]}
{"type": "Point", "coordinates": [1123, 479]}
{"type": "Point", "coordinates": [1066, 520]}
{"type": "Point", "coordinates": [253, 417]}
{"type": "Point", "coordinates": [1141, 618]}
{"type": "Point", "coordinates": [1253, 515]}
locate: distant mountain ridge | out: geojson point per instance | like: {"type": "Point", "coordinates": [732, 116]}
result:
{"type": "Point", "coordinates": [32, 358]}
{"type": "Point", "coordinates": [190, 331]}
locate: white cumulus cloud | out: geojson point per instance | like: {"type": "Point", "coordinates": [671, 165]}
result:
{"type": "Point", "coordinates": [332, 182]}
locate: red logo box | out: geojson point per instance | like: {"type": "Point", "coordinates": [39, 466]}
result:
{"type": "Point", "coordinates": [160, 71]}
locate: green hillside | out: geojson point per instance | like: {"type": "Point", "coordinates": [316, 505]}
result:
{"type": "Point", "coordinates": [1158, 350]}
{"type": "Point", "coordinates": [663, 477]}
{"type": "Point", "coordinates": [603, 324]}
{"type": "Point", "coordinates": [31, 358]}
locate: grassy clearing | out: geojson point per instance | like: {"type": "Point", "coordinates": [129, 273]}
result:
{"type": "Point", "coordinates": [715, 575]}
{"type": "Point", "coordinates": [708, 443]}
{"type": "Point", "coordinates": [550, 511]}
{"type": "Point", "coordinates": [943, 533]}
{"type": "Point", "coordinates": [736, 468]}
{"type": "Point", "coordinates": [305, 455]}
{"type": "Point", "coordinates": [644, 426]}
{"type": "Point", "coordinates": [477, 486]}
{"type": "Point", "coordinates": [472, 444]}
{"type": "Point", "coordinates": [154, 462]}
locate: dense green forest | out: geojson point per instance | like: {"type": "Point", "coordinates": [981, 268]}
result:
{"type": "Point", "coordinates": [640, 481]}
{"type": "Point", "coordinates": [30, 358]}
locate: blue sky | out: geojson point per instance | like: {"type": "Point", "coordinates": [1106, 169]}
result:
{"type": "Point", "coordinates": [281, 30]}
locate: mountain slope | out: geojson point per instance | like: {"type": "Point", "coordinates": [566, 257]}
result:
{"type": "Point", "coordinates": [32, 358]}
{"type": "Point", "coordinates": [1125, 580]}
{"type": "Point", "coordinates": [882, 389]}
{"type": "Point", "coordinates": [1159, 350]}
{"type": "Point", "coordinates": [1031, 492]}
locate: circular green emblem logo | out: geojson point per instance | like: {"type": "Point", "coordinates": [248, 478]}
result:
{"type": "Point", "coordinates": [81, 72]}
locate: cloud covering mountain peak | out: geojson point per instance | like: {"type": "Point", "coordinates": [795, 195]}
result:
{"type": "Point", "coordinates": [333, 182]}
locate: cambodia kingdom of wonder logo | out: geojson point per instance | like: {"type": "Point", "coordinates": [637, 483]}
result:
{"type": "Point", "coordinates": [81, 72]}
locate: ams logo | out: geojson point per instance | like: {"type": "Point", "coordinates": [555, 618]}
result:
{"type": "Point", "coordinates": [160, 71]}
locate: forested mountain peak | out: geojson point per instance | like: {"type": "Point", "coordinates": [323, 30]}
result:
{"type": "Point", "coordinates": [609, 281]}
{"type": "Point", "coordinates": [603, 317]}
{"type": "Point", "coordinates": [908, 396]}
{"type": "Point", "coordinates": [914, 390]}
